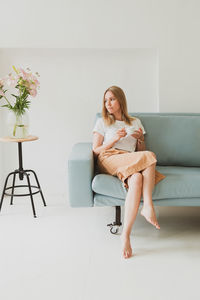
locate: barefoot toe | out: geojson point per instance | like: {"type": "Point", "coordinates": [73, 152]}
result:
{"type": "Point", "coordinates": [126, 246]}
{"type": "Point", "coordinates": [150, 216]}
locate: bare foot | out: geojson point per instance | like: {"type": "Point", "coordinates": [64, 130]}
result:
{"type": "Point", "coordinates": [126, 246]}
{"type": "Point", "coordinates": [149, 214]}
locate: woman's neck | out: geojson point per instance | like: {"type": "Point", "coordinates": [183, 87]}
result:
{"type": "Point", "coordinates": [118, 116]}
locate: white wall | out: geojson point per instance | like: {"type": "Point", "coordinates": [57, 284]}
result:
{"type": "Point", "coordinates": [72, 87]}
{"type": "Point", "coordinates": [1, 158]}
{"type": "Point", "coordinates": [2, 73]}
{"type": "Point", "coordinates": [170, 26]}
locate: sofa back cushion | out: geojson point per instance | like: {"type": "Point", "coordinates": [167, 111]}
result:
{"type": "Point", "coordinates": [173, 137]}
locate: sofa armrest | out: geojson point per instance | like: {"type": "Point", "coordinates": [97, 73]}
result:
{"type": "Point", "coordinates": [80, 175]}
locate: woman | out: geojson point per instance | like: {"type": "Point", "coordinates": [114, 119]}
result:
{"type": "Point", "coordinates": [118, 143]}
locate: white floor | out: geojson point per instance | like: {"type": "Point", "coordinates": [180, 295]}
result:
{"type": "Point", "coordinates": [69, 253]}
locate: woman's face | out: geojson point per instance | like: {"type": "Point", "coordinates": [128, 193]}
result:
{"type": "Point", "coordinates": [111, 103]}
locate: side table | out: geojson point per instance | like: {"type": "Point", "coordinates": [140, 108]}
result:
{"type": "Point", "coordinates": [21, 173]}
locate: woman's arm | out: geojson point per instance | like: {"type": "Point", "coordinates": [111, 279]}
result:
{"type": "Point", "coordinates": [140, 145]}
{"type": "Point", "coordinates": [98, 141]}
{"type": "Point", "coordinates": [138, 134]}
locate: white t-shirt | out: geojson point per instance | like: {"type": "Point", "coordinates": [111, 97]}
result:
{"type": "Point", "coordinates": [128, 142]}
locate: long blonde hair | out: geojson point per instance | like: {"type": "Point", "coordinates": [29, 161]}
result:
{"type": "Point", "coordinates": [108, 118]}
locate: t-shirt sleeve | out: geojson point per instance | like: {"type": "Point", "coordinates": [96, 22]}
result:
{"type": "Point", "coordinates": [99, 127]}
{"type": "Point", "coordinates": [141, 126]}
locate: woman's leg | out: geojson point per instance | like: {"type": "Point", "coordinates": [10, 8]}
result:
{"type": "Point", "coordinates": [131, 209]}
{"type": "Point", "coordinates": [148, 185]}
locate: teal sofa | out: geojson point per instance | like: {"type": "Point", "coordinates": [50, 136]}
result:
{"type": "Point", "coordinates": [173, 137]}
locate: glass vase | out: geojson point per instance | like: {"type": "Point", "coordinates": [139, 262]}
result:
{"type": "Point", "coordinates": [18, 125]}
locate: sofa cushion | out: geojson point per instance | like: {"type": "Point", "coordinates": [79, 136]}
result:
{"type": "Point", "coordinates": [173, 137]}
{"type": "Point", "coordinates": [180, 182]}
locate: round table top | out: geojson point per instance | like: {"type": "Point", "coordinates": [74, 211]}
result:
{"type": "Point", "coordinates": [10, 139]}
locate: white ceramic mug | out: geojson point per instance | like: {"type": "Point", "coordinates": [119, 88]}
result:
{"type": "Point", "coordinates": [130, 130]}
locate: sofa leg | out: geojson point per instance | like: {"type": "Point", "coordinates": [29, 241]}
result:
{"type": "Point", "coordinates": [114, 227]}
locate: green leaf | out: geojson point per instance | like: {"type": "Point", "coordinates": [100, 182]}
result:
{"type": "Point", "coordinates": [15, 96]}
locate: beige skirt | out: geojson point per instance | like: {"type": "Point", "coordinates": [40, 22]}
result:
{"type": "Point", "coordinates": [122, 163]}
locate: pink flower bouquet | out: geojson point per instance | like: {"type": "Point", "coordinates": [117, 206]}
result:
{"type": "Point", "coordinates": [26, 84]}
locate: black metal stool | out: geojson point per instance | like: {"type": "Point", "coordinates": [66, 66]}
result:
{"type": "Point", "coordinates": [21, 173]}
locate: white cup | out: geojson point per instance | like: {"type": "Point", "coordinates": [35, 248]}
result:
{"type": "Point", "coordinates": [130, 130]}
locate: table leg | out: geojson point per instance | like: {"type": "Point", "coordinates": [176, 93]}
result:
{"type": "Point", "coordinates": [21, 175]}
{"type": "Point", "coordinates": [5, 185]}
{"type": "Point", "coordinates": [38, 186]}
{"type": "Point", "coordinates": [30, 191]}
{"type": "Point", "coordinates": [13, 186]}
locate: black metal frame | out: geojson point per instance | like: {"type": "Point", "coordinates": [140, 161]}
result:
{"type": "Point", "coordinates": [114, 227]}
{"type": "Point", "coordinates": [22, 173]}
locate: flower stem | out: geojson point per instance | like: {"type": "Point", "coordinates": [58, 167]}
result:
{"type": "Point", "coordinates": [7, 101]}
{"type": "Point", "coordinates": [14, 129]}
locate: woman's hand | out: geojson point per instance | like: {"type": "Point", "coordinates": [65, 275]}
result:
{"type": "Point", "coordinates": [119, 134]}
{"type": "Point", "coordinates": [138, 134]}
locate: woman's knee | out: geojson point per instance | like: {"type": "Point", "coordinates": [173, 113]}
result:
{"type": "Point", "coordinates": [135, 178]}
{"type": "Point", "coordinates": [149, 169]}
